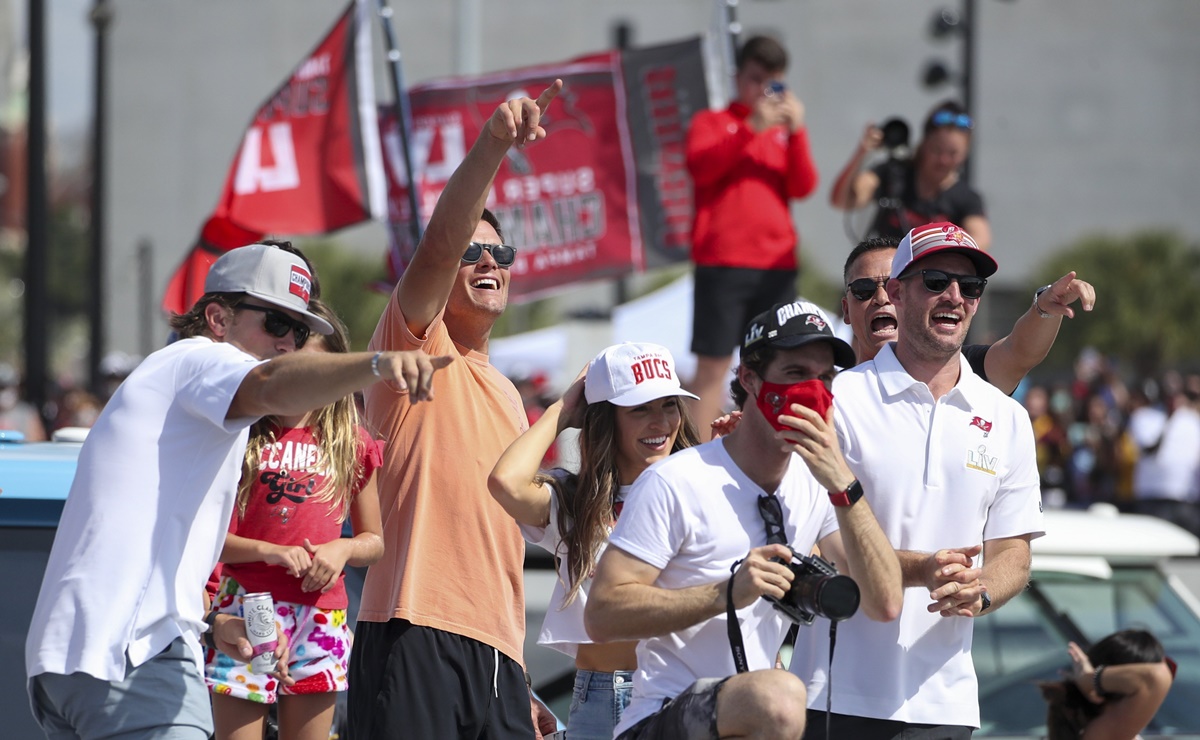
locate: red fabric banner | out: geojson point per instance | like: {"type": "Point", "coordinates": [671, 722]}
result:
{"type": "Point", "coordinates": [569, 204]}
{"type": "Point", "coordinates": [309, 163]}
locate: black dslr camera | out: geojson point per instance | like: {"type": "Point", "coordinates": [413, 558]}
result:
{"type": "Point", "coordinates": [895, 138]}
{"type": "Point", "coordinates": [817, 591]}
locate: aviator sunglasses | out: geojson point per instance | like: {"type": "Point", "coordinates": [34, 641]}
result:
{"type": "Point", "coordinates": [278, 324]}
{"type": "Point", "coordinates": [936, 281]}
{"type": "Point", "coordinates": [502, 253]}
{"type": "Point", "coordinates": [863, 289]}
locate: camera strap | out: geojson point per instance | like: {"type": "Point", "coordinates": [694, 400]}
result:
{"type": "Point", "coordinates": [829, 680]}
{"type": "Point", "coordinates": [736, 644]}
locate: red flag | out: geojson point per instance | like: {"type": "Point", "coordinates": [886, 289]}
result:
{"type": "Point", "coordinates": [599, 198]}
{"type": "Point", "coordinates": [308, 164]}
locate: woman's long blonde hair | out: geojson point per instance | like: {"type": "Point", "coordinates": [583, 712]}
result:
{"type": "Point", "coordinates": [587, 499]}
{"type": "Point", "coordinates": [335, 428]}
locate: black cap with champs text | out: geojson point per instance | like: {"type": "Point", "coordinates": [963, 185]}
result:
{"type": "Point", "coordinates": [788, 325]}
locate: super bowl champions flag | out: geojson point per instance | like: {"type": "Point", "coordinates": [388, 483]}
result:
{"type": "Point", "coordinates": [605, 195]}
{"type": "Point", "coordinates": [308, 164]}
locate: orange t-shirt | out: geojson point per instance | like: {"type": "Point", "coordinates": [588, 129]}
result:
{"type": "Point", "coordinates": [453, 557]}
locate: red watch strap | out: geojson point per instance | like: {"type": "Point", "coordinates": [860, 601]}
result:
{"type": "Point", "coordinates": [847, 497]}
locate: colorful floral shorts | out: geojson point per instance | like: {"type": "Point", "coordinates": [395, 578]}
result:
{"type": "Point", "coordinates": [319, 651]}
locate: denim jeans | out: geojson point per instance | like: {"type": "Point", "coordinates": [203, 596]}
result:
{"type": "Point", "coordinates": [597, 703]}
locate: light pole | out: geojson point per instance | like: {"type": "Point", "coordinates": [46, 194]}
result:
{"type": "Point", "coordinates": [36, 227]}
{"type": "Point", "coordinates": [100, 16]}
{"type": "Point", "coordinates": [947, 22]}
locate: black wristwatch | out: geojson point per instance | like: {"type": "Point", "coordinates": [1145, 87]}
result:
{"type": "Point", "coordinates": [847, 497]}
{"type": "Point", "coordinates": [987, 602]}
{"type": "Point", "coordinates": [210, 637]}
{"type": "Point", "coordinates": [1038, 294]}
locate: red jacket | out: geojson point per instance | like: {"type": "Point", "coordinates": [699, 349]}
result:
{"type": "Point", "coordinates": [742, 181]}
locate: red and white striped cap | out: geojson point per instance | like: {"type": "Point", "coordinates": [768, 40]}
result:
{"type": "Point", "coordinates": [936, 238]}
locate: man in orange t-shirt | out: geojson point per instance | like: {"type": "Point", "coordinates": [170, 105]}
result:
{"type": "Point", "coordinates": [438, 646]}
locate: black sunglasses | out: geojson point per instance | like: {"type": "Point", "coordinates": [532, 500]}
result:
{"type": "Point", "coordinates": [278, 324]}
{"type": "Point", "coordinates": [771, 512]}
{"type": "Point", "coordinates": [936, 281]}
{"type": "Point", "coordinates": [502, 253]}
{"type": "Point", "coordinates": [863, 289]}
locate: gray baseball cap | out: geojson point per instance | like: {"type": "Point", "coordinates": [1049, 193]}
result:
{"type": "Point", "coordinates": [270, 274]}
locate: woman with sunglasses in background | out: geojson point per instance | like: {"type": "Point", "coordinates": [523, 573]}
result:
{"type": "Point", "coordinates": [301, 478]}
{"type": "Point", "coordinates": [921, 190]}
{"type": "Point", "coordinates": [630, 411]}
{"type": "Point", "coordinates": [1114, 690]}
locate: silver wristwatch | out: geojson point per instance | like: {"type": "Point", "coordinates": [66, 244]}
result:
{"type": "Point", "coordinates": [1038, 294]}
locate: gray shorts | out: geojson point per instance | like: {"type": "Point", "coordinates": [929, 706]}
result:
{"type": "Point", "coordinates": [164, 698]}
{"type": "Point", "coordinates": [690, 716]}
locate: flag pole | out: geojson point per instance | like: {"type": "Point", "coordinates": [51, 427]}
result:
{"type": "Point", "coordinates": [403, 116]}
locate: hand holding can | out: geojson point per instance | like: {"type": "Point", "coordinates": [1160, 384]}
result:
{"type": "Point", "coordinates": [259, 612]}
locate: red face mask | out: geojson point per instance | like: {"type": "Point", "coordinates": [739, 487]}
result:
{"type": "Point", "coordinates": [777, 398]}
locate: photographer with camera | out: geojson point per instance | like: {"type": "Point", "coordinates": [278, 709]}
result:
{"type": "Point", "coordinates": [917, 190]}
{"type": "Point", "coordinates": [746, 162]}
{"type": "Point", "coordinates": [734, 505]}
{"type": "Point", "coordinates": [949, 461]}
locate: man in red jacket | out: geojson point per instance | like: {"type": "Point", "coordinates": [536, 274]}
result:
{"type": "Point", "coordinates": [746, 162]}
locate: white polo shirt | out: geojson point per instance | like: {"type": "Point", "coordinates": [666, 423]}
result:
{"type": "Point", "coordinates": [146, 517]}
{"type": "Point", "coordinates": [692, 516]}
{"type": "Point", "coordinates": [948, 473]}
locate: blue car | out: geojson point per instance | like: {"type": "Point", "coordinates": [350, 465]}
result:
{"type": "Point", "coordinates": [34, 481]}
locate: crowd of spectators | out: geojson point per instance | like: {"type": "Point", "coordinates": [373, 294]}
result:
{"type": "Point", "coordinates": [1134, 443]}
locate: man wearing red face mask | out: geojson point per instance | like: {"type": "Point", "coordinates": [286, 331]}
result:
{"type": "Point", "coordinates": [735, 505]}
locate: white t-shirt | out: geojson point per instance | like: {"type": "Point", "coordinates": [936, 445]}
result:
{"type": "Point", "coordinates": [693, 515]}
{"type": "Point", "coordinates": [563, 629]}
{"type": "Point", "coordinates": [146, 517]}
{"type": "Point", "coordinates": [950, 473]}
{"type": "Point", "coordinates": [1173, 470]}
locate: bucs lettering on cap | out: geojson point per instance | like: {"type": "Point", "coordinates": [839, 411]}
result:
{"type": "Point", "coordinates": [650, 368]}
{"type": "Point", "coordinates": [301, 283]}
{"type": "Point", "coordinates": [631, 374]}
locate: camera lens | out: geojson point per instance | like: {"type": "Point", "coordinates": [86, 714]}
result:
{"type": "Point", "coordinates": [895, 133]}
{"type": "Point", "coordinates": [838, 597]}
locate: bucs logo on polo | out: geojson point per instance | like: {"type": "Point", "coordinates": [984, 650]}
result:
{"type": "Point", "coordinates": [982, 424]}
{"type": "Point", "coordinates": [300, 284]}
{"type": "Point", "coordinates": [814, 320]}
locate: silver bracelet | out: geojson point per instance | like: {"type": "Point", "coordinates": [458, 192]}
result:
{"type": "Point", "coordinates": [375, 365]}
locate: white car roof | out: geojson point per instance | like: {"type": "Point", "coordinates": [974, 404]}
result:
{"type": "Point", "coordinates": [1103, 531]}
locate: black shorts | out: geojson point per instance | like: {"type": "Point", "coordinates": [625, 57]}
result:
{"type": "Point", "coordinates": [419, 682]}
{"type": "Point", "coordinates": [868, 728]}
{"type": "Point", "coordinates": [690, 716]}
{"type": "Point", "coordinates": [724, 300]}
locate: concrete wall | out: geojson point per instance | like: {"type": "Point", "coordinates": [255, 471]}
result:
{"type": "Point", "coordinates": [1087, 109]}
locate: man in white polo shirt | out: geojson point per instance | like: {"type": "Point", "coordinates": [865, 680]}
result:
{"type": "Point", "coordinates": [950, 462]}
{"type": "Point", "coordinates": [114, 644]}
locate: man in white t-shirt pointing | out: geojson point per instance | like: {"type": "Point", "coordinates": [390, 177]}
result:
{"type": "Point", "coordinates": [949, 462]}
{"type": "Point", "coordinates": [691, 519]}
{"type": "Point", "coordinates": [114, 645]}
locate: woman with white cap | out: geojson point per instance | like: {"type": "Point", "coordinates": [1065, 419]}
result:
{"type": "Point", "coordinates": [630, 411]}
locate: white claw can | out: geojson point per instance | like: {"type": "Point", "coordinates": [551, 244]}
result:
{"type": "Point", "coordinates": [259, 612]}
